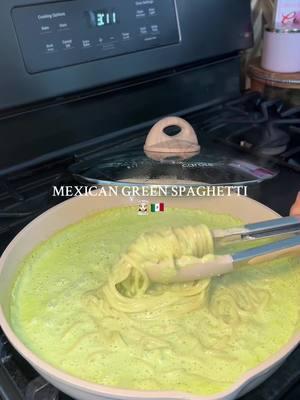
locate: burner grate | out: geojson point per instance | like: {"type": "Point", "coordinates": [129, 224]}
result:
{"type": "Point", "coordinates": [25, 196]}
{"type": "Point", "coordinates": [39, 389]}
{"type": "Point", "coordinates": [262, 126]}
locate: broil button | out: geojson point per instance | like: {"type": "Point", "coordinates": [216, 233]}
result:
{"type": "Point", "coordinates": [50, 48]}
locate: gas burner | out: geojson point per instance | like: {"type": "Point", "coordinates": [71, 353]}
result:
{"type": "Point", "coordinates": [266, 139]}
{"type": "Point", "coordinates": [262, 125]}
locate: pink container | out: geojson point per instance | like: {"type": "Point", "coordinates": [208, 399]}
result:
{"type": "Point", "coordinates": [281, 51]}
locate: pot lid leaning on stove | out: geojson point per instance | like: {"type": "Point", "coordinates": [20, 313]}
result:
{"type": "Point", "coordinates": [169, 160]}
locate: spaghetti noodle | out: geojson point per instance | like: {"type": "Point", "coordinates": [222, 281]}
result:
{"type": "Point", "coordinates": [129, 289]}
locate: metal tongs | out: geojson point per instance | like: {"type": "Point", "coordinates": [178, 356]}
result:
{"type": "Point", "coordinates": [224, 264]}
{"type": "Point", "coordinates": [280, 227]}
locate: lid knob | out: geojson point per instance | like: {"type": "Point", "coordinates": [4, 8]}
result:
{"type": "Point", "coordinates": [184, 142]}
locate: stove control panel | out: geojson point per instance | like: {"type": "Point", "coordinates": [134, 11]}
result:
{"type": "Point", "coordinates": [60, 34]}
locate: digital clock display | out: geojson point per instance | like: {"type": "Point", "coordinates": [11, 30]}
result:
{"type": "Point", "coordinates": [102, 18]}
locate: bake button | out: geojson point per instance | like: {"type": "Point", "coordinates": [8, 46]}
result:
{"type": "Point", "coordinates": [45, 29]}
{"type": "Point", "coordinates": [86, 44]}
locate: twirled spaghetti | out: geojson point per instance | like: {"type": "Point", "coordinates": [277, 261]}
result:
{"type": "Point", "coordinates": [128, 287]}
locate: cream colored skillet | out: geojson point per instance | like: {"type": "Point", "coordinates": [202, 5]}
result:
{"type": "Point", "coordinates": [73, 211]}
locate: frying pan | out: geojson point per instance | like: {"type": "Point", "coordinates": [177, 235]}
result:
{"type": "Point", "coordinates": [73, 211]}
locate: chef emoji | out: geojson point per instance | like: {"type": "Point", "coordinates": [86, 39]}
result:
{"type": "Point", "coordinates": [143, 208]}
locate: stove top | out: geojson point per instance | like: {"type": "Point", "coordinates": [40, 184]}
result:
{"type": "Point", "coordinates": [262, 135]}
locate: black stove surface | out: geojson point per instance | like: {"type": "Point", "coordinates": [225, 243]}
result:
{"type": "Point", "coordinates": [247, 129]}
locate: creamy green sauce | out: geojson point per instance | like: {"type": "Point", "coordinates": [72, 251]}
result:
{"type": "Point", "coordinates": [243, 318]}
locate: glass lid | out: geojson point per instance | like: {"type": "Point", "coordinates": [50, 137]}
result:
{"type": "Point", "coordinates": [172, 160]}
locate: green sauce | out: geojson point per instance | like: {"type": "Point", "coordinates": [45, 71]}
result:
{"type": "Point", "coordinates": [58, 312]}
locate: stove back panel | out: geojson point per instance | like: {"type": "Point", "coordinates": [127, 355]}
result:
{"type": "Point", "coordinates": [53, 49]}
{"type": "Point", "coordinates": [36, 136]}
